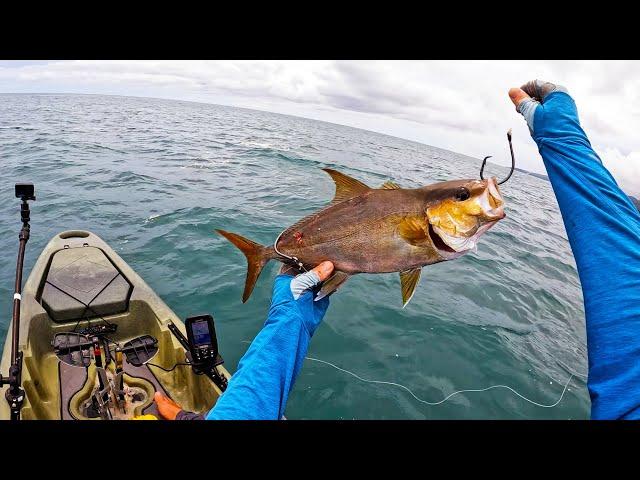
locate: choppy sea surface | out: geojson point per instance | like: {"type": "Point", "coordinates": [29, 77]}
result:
{"type": "Point", "coordinates": [154, 178]}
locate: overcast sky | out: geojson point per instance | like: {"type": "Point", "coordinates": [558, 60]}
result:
{"type": "Point", "coordinates": [458, 105]}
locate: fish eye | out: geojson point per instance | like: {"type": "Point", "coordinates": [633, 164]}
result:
{"type": "Point", "coordinates": [462, 194]}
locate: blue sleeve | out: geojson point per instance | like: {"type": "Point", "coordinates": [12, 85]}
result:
{"type": "Point", "coordinates": [266, 373]}
{"type": "Point", "coordinates": [603, 227]}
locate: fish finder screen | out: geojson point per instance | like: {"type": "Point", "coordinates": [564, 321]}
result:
{"type": "Point", "coordinates": [201, 334]}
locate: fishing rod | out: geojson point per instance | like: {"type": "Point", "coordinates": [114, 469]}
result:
{"type": "Point", "coordinates": [15, 394]}
{"type": "Point", "coordinates": [513, 161]}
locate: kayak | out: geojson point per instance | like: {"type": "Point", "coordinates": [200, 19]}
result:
{"type": "Point", "coordinates": [97, 342]}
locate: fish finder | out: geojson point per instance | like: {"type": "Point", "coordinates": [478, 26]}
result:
{"type": "Point", "coordinates": [203, 343]}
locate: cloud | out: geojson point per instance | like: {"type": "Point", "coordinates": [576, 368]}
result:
{"type": "Point", "coordinates": [457, 105]}
{"type": "Point", "coordinates": [624, 168]}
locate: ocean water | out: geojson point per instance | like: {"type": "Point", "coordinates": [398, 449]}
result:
{"type": "Point", "coordinates": [154, 178]}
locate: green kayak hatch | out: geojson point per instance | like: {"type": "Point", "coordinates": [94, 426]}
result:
{"type": "Point", "coordinates": [97, 341]}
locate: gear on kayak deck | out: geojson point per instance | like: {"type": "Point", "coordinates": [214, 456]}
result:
{"type": "Point", "coordinates": [91, 340]}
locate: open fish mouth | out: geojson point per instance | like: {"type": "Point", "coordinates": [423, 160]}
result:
{"type": "Point", "coordinates": [449, 244]}
{"type": "Point", "coordinates": [438, 242]}
{"type": "Point", "coordinates": [486, 209]}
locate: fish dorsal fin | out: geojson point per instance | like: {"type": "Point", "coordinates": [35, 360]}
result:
{"type": "Point", "coordinates": [389, 185]}
{"type": "Point", "coordinates": [346, 186]}
{"type": "Point", "coordinates": [332, 284]}
{"type": "Point", "coordinates": [413, 230]}
{"type": "Point", "coordinates": [409, 280]}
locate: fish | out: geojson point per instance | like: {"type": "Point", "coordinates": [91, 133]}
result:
{"type": "Point", "coordinates": [381, 230]}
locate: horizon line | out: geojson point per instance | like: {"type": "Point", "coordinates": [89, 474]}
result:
{"type": "Point", "coordinates": [259, 110]}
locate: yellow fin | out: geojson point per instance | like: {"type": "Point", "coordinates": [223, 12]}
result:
{"type": "Point", "coordinates": [389, 185]}
{"type": "Point", "coordinates": [413, 230]}
{"type": "Point", "coordinates": [409, 280]}
{"type": "Point", "coordinates": [346, 186]}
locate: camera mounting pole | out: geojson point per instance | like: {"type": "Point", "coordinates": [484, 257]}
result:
{"type": "Point", "coordinates": [15, 394]}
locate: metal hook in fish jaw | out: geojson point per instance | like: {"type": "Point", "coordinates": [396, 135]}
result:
{"type": "Point", "coordinates": [513, 161]}
{"type": "Point", "coordinates": [295, 260]}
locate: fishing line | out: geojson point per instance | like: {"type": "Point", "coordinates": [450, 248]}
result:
{"type": "Point", "coordinates": [457, 392]}
{"type": "Point", "coordinates": [381, 382]}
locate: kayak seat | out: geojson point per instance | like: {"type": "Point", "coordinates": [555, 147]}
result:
{"type": "Point", "coordinates": [82, 283]}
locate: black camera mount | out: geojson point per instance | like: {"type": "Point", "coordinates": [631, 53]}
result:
{"type": "Point", "coordinates": [15, 394]}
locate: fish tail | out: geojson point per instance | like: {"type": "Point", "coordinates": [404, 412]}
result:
{"type": "Point", "coordinates": [257, 257]}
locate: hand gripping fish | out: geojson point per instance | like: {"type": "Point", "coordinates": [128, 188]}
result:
{"type": "Point", "coordinates": [378, 230]}
{"type": "Point", "coordinates": [381, 230]}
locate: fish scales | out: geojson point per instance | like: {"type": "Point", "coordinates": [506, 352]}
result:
{"type": "Point", "coordinates": [381, 230]}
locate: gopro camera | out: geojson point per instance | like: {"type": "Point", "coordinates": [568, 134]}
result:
{"type": "Point", "coordinates": [25, 191]}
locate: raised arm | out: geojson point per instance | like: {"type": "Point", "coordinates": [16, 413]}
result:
{"type": "Point", "coordinates": [603, 227]}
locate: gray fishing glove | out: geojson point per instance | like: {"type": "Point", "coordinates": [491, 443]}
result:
{"type": "Point", "coordinates": [294, 296]}
{"type": "Point", "coordinates": [538, 91]}
{"type": "Point", "coordinates": [306, 281]}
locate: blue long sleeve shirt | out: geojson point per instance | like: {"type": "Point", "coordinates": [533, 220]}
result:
{"type": "Point", "coordinates": [266, 373]}
{"type": "Point", "coordinates": [603, 227]}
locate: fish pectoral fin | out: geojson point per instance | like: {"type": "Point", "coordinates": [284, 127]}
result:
{"type": "Point", "coordinates": [346, 187]}
{"type": "Point", "coordinates": [413, 230]}
{"type": "Point", "coordinates": [389, 185]}
{"type": "Point", "coordinates": [332, 284]}
{"type": "Point", "coordinates": [409, 280]}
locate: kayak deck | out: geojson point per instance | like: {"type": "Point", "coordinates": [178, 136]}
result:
{"type": "Point", "coordinates": [80, 285]}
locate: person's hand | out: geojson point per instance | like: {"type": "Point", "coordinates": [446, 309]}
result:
{"type": "Point", "coordinates": [298, 293]}
{"type": "Point", "coordinates": [530, 96]}
{"type": "Point", "coordinates": [309, 280]}
{"type": "Point", "coordinates": [167, 408]}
